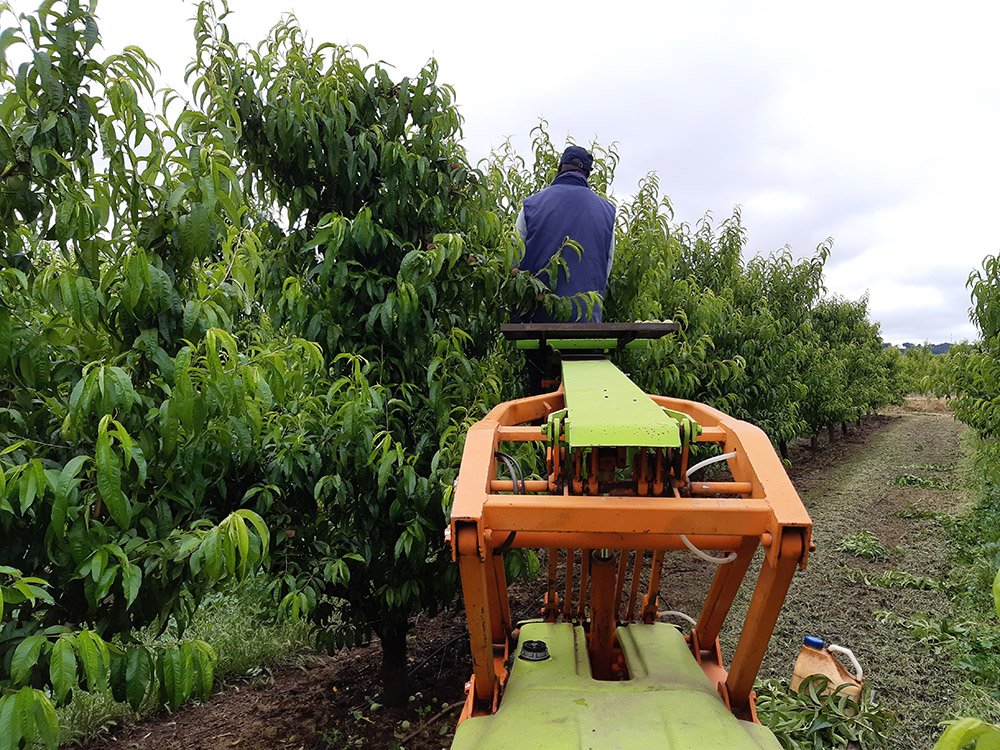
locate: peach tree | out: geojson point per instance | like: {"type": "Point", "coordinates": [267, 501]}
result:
{"type": "Point", "coordinates": [137, 390]}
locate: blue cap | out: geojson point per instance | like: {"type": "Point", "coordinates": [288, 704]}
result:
{"type": "Point", "coordinates": [579, 157]}
{"type": "Point", "coordinates": [813, 641]}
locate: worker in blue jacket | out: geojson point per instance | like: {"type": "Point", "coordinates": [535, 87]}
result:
{"type": "Point", "coordinates": [569, 209]}
{"type": "Point", "coordinates": [566, 210]}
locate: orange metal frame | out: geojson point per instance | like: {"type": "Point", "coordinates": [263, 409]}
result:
{"type": "Point", "coordinates": [759, 508]}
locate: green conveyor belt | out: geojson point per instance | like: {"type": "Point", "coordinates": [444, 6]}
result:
{"type": "Point", "coordinates": [605, 408]}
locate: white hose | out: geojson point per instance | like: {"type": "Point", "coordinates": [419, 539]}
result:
{"type": "Point", "coordinates": [687, 542]}
{"type": "Point", "coordinates": [730, 556]}
{"type": "Point", "coordinates": [709, 462]}
{"type": "Point", "coordinates": [858, 674]}
{"type": "Point", "coordinates": [675, 613]}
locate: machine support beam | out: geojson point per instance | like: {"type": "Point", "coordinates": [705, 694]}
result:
{"type": "Point", "coordinates": [765, 606]}
{"type": "Point", "coordinates": [475, 591]}
{"type": "Point", "coordinates": [722, 594]}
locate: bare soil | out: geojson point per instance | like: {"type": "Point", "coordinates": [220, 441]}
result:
{"type": "Point", "coordinates": [326, 702]}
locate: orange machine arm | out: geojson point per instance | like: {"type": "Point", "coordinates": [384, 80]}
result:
{"type": "Point", "coordinates": [762, 510]}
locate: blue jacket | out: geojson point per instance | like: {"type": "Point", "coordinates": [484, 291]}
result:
{"type": "Point", "coordinates": [569, 208]}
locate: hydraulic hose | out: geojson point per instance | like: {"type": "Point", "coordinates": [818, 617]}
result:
{"type": "Point", "coordinates": [675, 613]}
{"type": "Point", "coordinates": [709, 462]}
{"type": "Point", "coordinates": [730, 556]}
{"type": "Point", "coordinates": [514, 469]}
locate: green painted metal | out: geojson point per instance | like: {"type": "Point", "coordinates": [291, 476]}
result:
{"type": "Point", "coordinates": [569, 344]}
{"type": "Point", "coordinates": [556, 704]}
{"type": "Point", "coordinates": [576, 344]}
{"type": "Point", "coordinates": [690, 430]}
{"type": "Point", "coordinates": [605, 408]}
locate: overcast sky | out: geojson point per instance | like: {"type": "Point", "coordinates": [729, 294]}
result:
{"type": "Point", "coordinates": [876, 124]}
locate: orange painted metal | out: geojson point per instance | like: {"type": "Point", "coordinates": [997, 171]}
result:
{"type": "Point", "coordinates": [709, 434]}
{"type": "Point", "coordinates": [624, 515]}
{"type": "Point", "coordinates": [507, 485]}
{"type": "Point", "coordinates": [725, 585]}
{"type": "Point", "coordinates": [550, 608]}
{"type": "Point", "coordinates": [496, 581]}
{"type": "Point", "coordinates": [765, 606]}
{"type": "Point", "coordinates": [571, 511]}
{"type": "Point", "coordinates": [581, 606]}
{"type": "Point", "coordinates": [476, 593]}
{"type": "Point", "coordinates": [519, 433]}
{"type": "Point", "coordinates": [601, 640]}
{"type": "Point", "coordinates": [650, 601]}
{"type": "Point", "coordinates": [593, 540]}
{"type": "Point", "coordinates": [570, 569]}
{"type": "Point", "coordinates": [721, 488]}
{"type": "Point", "coordinates": [620, 580]}
{"type": "Point", "coordinates": [633, 593]}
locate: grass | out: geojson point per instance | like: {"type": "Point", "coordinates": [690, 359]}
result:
{"type": "Point", "coordinates": [864, 544]}
{"type": "Point", "coordinates": [970, 638]}
{"type": "Point", "coordinates": [239, 624]}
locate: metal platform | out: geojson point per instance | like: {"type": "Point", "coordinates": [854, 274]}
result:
{"type": "Point", "coordinates": [606, 409]}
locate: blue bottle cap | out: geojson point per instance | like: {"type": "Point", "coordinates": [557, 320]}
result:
{"type": "Point", "coordinates": [813, 641]}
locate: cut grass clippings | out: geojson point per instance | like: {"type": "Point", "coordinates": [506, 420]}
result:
{"type": "Point", "coordinates": [864, 544]}
{"type": "Point", "coordinates": [912, 480]}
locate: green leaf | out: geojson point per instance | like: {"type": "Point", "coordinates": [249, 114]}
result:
{"type": "Point", "coordinates": [46, 721]}
{"type": "Point", "coordinates": [95, 657]}
{"type": "Point", "coordinates": [26, 657]}
{"type": "Point", "coordinates": [109, 478]}
{"type": "Point", "coordinates": [64, 486]}
{"type": "Point", "coordinates": [170, 670]}
{"type": "Point", "coordinates": [10, 724]}
{"type": "Point", "coordinates": [131, 582]}
{"type": "Point", "coordinates": [32, 484]}
{"type": "Point", "coordinates": [138, 676]}
{"type": "Point", "coordinates": [6, 336]}
{"type": "Point", "coordinates": [242, 542]}
{"type": "Point", "coordinates": [117, 681]}
{"type": "Point", "coordinates": [62, 668]}
{"type": "Point", "coordinates": [188, 677]}
{"type": "Point", "coordinates": [259, 526]}
{"type": "Point", "coordinates": [182, 398]}
{"type": "Point", "coordinates": [195, 229]}
{"type": "Point", "coordinates": [203, 660]}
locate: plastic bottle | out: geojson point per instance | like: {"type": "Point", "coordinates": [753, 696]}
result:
{"type": "Point", "coordinates": [817, 658]}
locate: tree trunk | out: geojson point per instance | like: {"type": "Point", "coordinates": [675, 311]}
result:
{"type": "Point", "coordinates": [814, 442]}
{"type": "Point", "coordinates": [830, 433]}
{"type": "Point", "coordinates": [843, 428]}
{"type": "Point", "coordinates": [395, 674]}
{"type": "Point", "coordinates": [783, 447]}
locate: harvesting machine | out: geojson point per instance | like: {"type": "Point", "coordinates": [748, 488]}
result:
{"type": "Point", "coordinates": [598, 668]}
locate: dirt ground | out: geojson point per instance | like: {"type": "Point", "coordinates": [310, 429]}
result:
{"type": "Point", "coordinates": [848, 486]}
